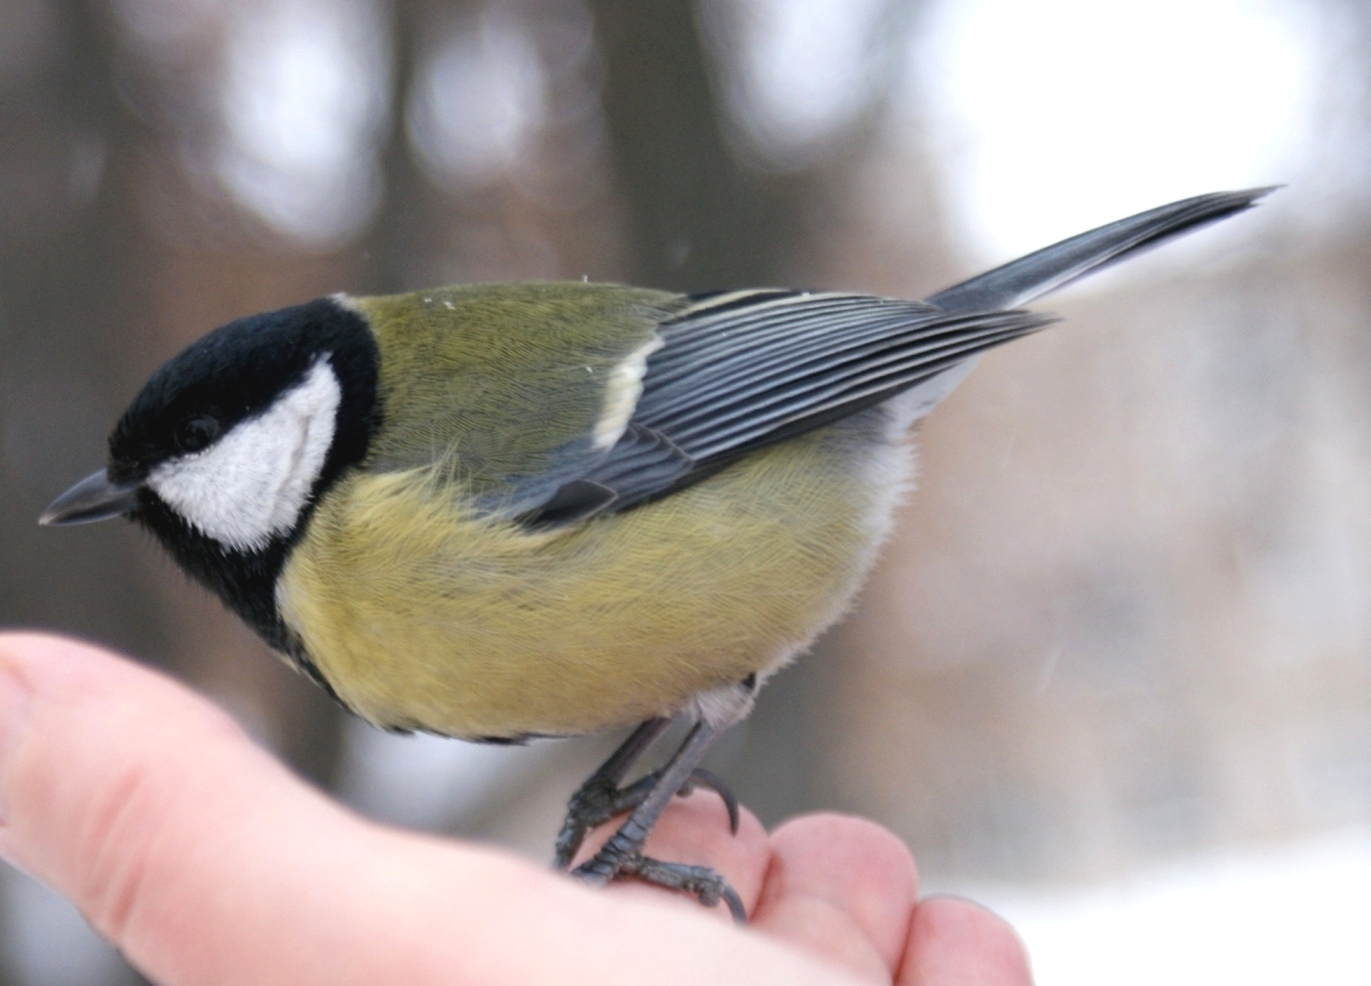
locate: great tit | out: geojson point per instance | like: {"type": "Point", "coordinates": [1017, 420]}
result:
{"type": "Point", "coordinates": [541, 509]}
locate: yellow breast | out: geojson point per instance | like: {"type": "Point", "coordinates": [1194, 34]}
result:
{"type": "Point", "coordinates": [422, 614]}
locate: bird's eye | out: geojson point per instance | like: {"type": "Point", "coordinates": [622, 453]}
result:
{"type": "Point", "coordinates": [196, 433]}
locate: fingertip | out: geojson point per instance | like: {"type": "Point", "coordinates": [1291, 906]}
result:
{"type": "Point", "coordinates": [841, 887]}
{"type": "Point", "coordinates": [957, 942]}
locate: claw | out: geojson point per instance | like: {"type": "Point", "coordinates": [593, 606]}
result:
{"type": "Point", "coordinates": [707, 885]}
{"type": "Point", "coordinates": [699, 777]}
{"type": "Point", "coordinates": [596, 803]}
{"type": "Point", "coordinates": [616, 861]}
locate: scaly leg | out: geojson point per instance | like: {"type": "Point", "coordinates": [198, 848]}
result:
{"type": "Point", "coordinates": [601, 797]}
{"type": "Point", "coordinates": [594, 801]}
{"type": "Point", "coordinates": [622, 855]}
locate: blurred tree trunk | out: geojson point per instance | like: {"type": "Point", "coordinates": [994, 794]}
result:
{"type": "Point", "coordinates": [414, 214]}
{"type": "Point", "coordinates": [697, 219]}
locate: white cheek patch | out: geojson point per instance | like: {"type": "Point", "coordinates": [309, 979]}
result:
{"type": "Point", "coordinates": [253, 482]}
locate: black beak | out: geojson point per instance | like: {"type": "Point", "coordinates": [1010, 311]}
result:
{"type": "Point", "coordinates": [94, 498]}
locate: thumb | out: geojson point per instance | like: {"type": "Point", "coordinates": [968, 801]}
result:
{"type": "Point", "coordinates": [131, 796]}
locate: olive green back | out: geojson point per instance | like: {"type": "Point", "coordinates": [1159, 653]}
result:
{"type": "Point", "coordinates": [503, 384]}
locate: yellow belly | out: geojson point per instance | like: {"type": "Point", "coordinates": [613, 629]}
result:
{"type": "Point", "coordinates": [421, 614]}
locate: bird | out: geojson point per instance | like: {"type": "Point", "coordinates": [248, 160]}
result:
{"type": "Point", "coordinates": [543, 509]}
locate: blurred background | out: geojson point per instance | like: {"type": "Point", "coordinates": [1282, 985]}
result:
{"type": "Point", "coordinates": [1113, 675]}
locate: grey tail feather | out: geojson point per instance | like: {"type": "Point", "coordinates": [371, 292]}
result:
{"type": "Point", "coordinates": [1022, 280]}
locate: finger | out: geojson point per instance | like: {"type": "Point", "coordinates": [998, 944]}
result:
{"type": "Point", "coordinates": [694, 830]}
{"type": "Point", "coordinates": [954, 942]}
{"type": "Point", "coordinates": [205, 861]}
{"type": "Point", "coordinates": [842, 888]}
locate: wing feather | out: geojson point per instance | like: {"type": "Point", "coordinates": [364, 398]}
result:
{"type": "Point", "coordinates": [739, 370]}
{"type": "Point", "coordinates": [742, 370]}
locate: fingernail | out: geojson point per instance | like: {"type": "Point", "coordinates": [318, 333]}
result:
{"type": "Point", "coordinates": [15, 700]}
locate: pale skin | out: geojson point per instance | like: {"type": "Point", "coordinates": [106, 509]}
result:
{"type": "Point", "coordinates": [205, 861]}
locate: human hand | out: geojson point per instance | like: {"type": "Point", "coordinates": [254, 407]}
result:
{"type": "Point", "coordinates": [203, 860]}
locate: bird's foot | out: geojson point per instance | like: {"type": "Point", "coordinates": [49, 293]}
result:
{"type": "Point", "coordinates": [619, 859]}
{"type": "Point", "coordinates": [599, 800]}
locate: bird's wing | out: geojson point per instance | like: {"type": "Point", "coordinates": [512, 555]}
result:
{"type": "Point", "coordinates": [738, 371]}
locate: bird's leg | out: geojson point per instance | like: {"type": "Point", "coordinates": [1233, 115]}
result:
{"type": "Point", "coordinates": [601, 797]}
{"type": "Point", "coordinates": [622, 855]}
{"type": "Point", "coordinates": [596, 800]}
